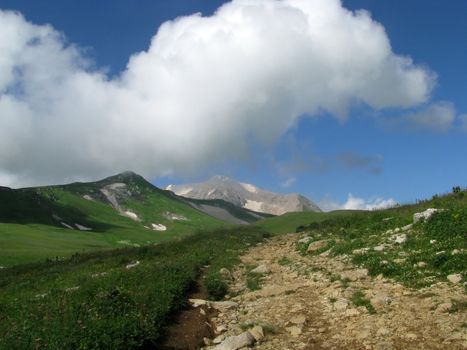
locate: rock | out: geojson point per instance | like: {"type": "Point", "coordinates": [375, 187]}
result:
{"type": "Point", "coordinates": [352, 312]}
{"type": "Point", "coordinates": [223, 305]}
{"type": "Point", "coordinates": [400, 239]}
{"type": "Point", "coordinates": [433, 241]}
{"type": "Point", "coordinates": [207, 341]}
{"type": "Point", "coordinates": [314, 246]}
{"type": "Point", "coordinates": [197, 302]}
{"type": "Point", "coordinates": [421, 264]}
{"type": "Point", "coordinates": [218, 339]}
{"type": "Point", "coordinates": [379, 248]}
{"type": "Point", "coordinates": [299, 319]}
{"type": "Point", "coordinates": [305, 240]}
{"type": "Point", "coordinates": [455, 251]}
{"type": "Point", "coordinates": [363, 334]}
{"type": "Point", "coordinates": [132, 264]}
{"type": "Point", "coordinates": [380, 300]}
{"type": "Point", "coordinates": [236, 342]}
{"type": "Point", "coordinates": [455, 278]}
{"type": "Point", "coordinates": [400, 260]}
{"type": "Point", "coordinates": [341, 304]}
{"type": "Point", "coordinates": [222, 328]}
{"type": "Point", "coordinates": [257, 332]}
{"type": "Point", "coordinates": [360, 251]}
{"type": "Point", "coordinates": [424, 215]}
{"type": "Point", "coordinates": [411, 336]}
{"type": "Point", "coordinates": [444, 307]}
{"type": "Point", "coordinates": [202, 312]}
{"type": "Point", "coordinates": [294, 331]}
{"type": "Point", "coordinates": [406, 227]}
{"type": "Point", "coordinates": [261, 269]}
{"type": "Point", "coordinates": [383, 331]}
{"type": "Point", "coordinates": [225, 274]}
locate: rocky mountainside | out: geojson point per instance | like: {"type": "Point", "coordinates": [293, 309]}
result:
{"type": "Point", "coordinates": [245, 196]}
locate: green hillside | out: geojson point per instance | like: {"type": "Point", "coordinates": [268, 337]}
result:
{"type": "Point", "coordinates": [45, 222]}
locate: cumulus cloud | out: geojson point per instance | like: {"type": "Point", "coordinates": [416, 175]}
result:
{"type": "Point", "coordinates": [438, 117]}
{"type": "Point", "coordinates": [205, 88]}
{"type": "Point", "coordinates": [356, 203]}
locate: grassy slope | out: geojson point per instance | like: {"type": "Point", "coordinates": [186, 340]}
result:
{"type": "Point", "coordinates": [113, 307]}
{"type": "Point", "coordinates": [433, 249]}
{"type": "Point", "coordinates": [28, 231]}
{"type": "Point", "coordinates": [291, 221]}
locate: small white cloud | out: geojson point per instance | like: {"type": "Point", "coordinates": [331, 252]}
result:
{"type": "Point", "coordinates": [356, 203]}
{"type": "Point", "coordinates": [437, 117]}
{"type": "Point", "coordinates": [289, 182]}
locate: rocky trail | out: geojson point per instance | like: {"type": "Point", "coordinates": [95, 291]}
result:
{"type": "Point", "coordinates": [325, 302]}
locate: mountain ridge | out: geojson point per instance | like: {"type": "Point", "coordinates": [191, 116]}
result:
{"type": "Point", "coordinates": [245, 195]}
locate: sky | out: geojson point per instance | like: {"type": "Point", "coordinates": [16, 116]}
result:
{"type": "Point", "coordinates": [355, 104]}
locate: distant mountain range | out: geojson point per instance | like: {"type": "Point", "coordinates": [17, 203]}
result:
{"type": "Point", "coordinates": [245, 196]}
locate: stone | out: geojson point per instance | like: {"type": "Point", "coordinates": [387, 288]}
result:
{"type": "Point", "coordinates": [455, 251]}
{"type": "Point", "coordinates": [225, 274]}
{"type": "Point", "coordinates": [223, 305]}
{"type": "Point", "coordinates": [197, 302]}
{"type": "Point", "coordinates": [379, 248]}
{"type": "Point", "coordinates": [360, 251]}
{"type": "Point", "coordinates": [422, 264]}
{"type": "Point", "coordinates": [406, 227]}
{"type": "Point", "coordinates": [218, 339]}
{"type": "Point", "coordinates": [314, 246]}
{"type": "Point", "coordinates": [433, 241]}
{"type": "Point", "coordinates": [352, 312]}
{"type": "Point", "coordinates": [207, 341]}
{"type": "Point", "coordinates": [444, 307]}
{"type": "Point", "coordinates": [222, 328]}
{"type": "Point", "coordinates": [363, 334]}
{"type": "Point", "coordinates": [341, 304]}
{"type": "Point", "coordinates": [257, 332]}
{"type": "Point", "coordinates": [383, 331]}
{"type": "Point", "coordinates": [455, 278]}
{"type": "Point", "coordinates": [424, 215]}
{"type": "Point", "coordinates": [236, 342]}
{"type": "Point", "coordinates": [305, 240]}
{"type": "Point", "coordinates": [132, 265]}
{"type": "Point", "coordinates": [202, 312]}
{"type": "Point", "coordinates": [400, 239]}
{"type": "Point", "coordinates": [261, 269]}
{"type": "Point", "coordinates": [299, 319]}
{"type": "Point", "coordinates": [411, 336]}
{"type": "Point", "coordinates": [294, 331]}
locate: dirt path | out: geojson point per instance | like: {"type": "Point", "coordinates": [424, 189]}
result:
{"type": "Point", "coordinates": [310, 302]}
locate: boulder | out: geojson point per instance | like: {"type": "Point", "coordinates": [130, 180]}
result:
{"type": "Point", "coordinates": [400, 239]}
{"type": "Point", "coordinates": [257, 332]}
{"type": "Point", "coordinates": [424, 215]}
{"type": "Point", "coordinates": [454, 278]}
{"type": "Point", "coordinates": [261, 269]}
{"type": "Point", "coordinates": [236, 342]}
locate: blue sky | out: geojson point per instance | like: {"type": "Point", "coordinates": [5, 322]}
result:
{"type": "Point", "coordinates": [399, 152]}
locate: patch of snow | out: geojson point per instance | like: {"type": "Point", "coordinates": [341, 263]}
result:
{"type": "Point", "coordinates": [253, 205]}
{"type": "Point", "coordinates": [131, 215]}
{"type": "Point", "coordinates": [174, 216]}
{"type": "Point", "coordinates": [88, 197]}
{"type": "Point", "coordinates": [82, 228]}
{"type": "Point", "coordinates": [249, 188]}
{"type": "Point", "coordinates": [66, 225]}
{"type": "Point", "coordinates": [116, 185]}
{"type": "Point", "coordinates": [158, 227]}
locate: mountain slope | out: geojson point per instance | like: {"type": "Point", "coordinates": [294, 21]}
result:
{"type": "Point", "coordinates": [245, 196]}
{"type": "Point", "coordinates": [122, 210]}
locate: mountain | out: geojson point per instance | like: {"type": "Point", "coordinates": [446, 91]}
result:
{"type": "Point", "coordinates": [245, 196]}
{"type": "Point", "coordinates": [118, 211]}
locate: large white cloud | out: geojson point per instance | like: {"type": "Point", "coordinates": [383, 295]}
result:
{"type": "Point", "coordinates": [205, 89]}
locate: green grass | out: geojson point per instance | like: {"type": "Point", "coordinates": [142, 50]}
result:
{"type": "Point", "coordinates": [113, 307]}
{"type": "Point", "coordinates": [29, 232]}
{"type": "Point", "coordinates": [433, 250]}
{"type": "Point", "coordinates": [358, 299]}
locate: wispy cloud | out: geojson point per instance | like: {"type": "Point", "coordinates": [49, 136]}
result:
{"type": "Point", "coordinates": [288, 182]}
{"type": "Point", "coordinates": [353, 160]}
{"type": "Point", "coordinates": [438, 117]}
